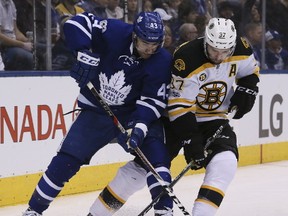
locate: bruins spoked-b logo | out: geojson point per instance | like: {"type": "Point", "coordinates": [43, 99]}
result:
{"type": "Point", "coordinates": [211, 95]}
{"type": "Point", "coordinates": [179, 64]}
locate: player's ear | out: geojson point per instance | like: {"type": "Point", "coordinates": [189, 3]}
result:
{"type": "Point", "coordinates": [134, 38]}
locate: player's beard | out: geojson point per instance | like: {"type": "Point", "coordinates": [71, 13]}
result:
{"type": "Point", "coordinates": [216, 62]}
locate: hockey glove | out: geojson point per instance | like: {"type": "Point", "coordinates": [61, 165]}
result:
{"type": "Point", "coordinates": [194, 151]}
{"type": "Point", "coordinates": [137, 136]}
{"type": "Point", "coordinates": [124, 137]}
{"type": "Point", "coordinates": [244, 99]}
{"type": "Point", "coordinates": [86, 67]}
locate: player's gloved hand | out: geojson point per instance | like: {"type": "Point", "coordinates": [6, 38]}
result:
{"type": "Point", "coordinates": [137, 136]}
{"type": "Point", "coordinates": [244, 99]}
{"type": "Point", "coordinates": [86, 67]}
{"type": "Point", "coordinates": [194, 151]}
{"type": "Point", "coordinates": [124, 137]}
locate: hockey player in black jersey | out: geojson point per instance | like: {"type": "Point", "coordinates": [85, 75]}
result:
{"type": "Point", "coordinates": [201, 95]}
{"type": "Point", "coordinates": [128, 66]}
{"type": "Point", "coordinates": [203, 74]}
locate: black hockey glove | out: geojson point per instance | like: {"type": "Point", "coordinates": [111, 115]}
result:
{"type": "Point", "coordinates": [194, 151]}
{"type": "Point", "coordinates": [86, 67]}
{"type": "Point", "coordinates": [244, 99]}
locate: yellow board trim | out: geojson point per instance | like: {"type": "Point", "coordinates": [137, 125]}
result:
{"type": "Point", "coordinates": [18, 189]}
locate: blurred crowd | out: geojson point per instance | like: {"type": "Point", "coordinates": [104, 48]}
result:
{"type": "Point", "coordinates": [23, 34]}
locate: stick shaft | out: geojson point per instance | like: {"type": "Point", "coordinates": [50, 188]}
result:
{"type": "Point", "coordinates": [137, 150]}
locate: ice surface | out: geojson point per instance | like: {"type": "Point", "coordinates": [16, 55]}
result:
{"type": "Point", "coordinates": [258, 190]}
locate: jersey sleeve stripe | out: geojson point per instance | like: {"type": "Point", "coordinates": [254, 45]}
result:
{"type": "Point", "coordinates": [88, 21]}
{"type": "Point", "coordinates": [78, 25]}
{"type": "Point", "coordinates": [175, 113]}
{"type": "Point", "coordinates": [159, 103]}
{"type": "Point", "coordinates": [143, 103]}
{"type": "Point", "coordinates": [219, 115]}
{"type": "Point", "coordinates": [200, 69]}
{"type": "Point", "coordinates": [182, 101]}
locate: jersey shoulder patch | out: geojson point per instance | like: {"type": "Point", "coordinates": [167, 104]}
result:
{"type": "Point", "coordinates": [188, 57]}
{"type": "Point", "coordinates": [243, 47]}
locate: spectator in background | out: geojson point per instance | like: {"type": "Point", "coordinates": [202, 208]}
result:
{"type": "Point", "coordinates": [25, 20]}
{"type": "Point", "coordinates": [231, 10]}
{"type": "Point", "coordinates": [172, 7]}
{"type": "Point", "coordinates": [159, 3]}
{"type": "Point", "coordinates": [2, 67]}
{"type": "Point", "coordinates": [113, 10]}
{"type": "Point", "coordinates": [285, 3]}
{"type": "Point", "coordinates": [96, 7]}
{"type": "Point", "coordinates": [25, 23]}
{"type": "Point", "coordinates": [68, 8]}
{"type": "Point", "coordinates": [147, 6]}
{"type": "Point", "coordinates": [187, 32]}
{"type": "Point", "coordinates": [132, 10]}
{"type": "Point", "coordinates": [200, 23]}
{"type": "Point", "coordinates": [169, 43]}
{"type": "Point", "coordinates": [164, 15]}
{"type": "Point", "coordinates": [277, 19]}
{"type": "Point", "coordinates": [15, 47]}
{"type": "Point", "coordinates": [276, 55]}
{"type": "Point", "coordinates": [204, 8]}
{"type": "Point", "coordinates": [62, 57]}
{"type": "Point", "coordinates": [253, 32]}
{"type": "Point", "coordinates": [187, 13]}
{"type": "Point", "coordinates": [251, 12]}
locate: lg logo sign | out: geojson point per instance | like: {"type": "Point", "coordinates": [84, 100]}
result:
{"type": "Point", "coordinates": [275, 117]}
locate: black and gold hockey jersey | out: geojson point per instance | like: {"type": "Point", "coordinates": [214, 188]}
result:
{"type": "Point", "coordinates": [203, 88]}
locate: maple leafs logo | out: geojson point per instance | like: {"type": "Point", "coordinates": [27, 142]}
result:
{"type": "Point", "coordinates": [114, 90]}
{"type": "Point", "coordinates": [140, 18]}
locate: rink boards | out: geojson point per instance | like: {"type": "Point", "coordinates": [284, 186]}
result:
{"type": "Point", "coordinates": [32, 126]}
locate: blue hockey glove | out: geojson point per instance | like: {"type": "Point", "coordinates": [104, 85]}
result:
{"type": "Point", "coordinates": [86, 67]}
{"type": "Point", "coordinates": [194, 151]}
{"type": "Point", "coordinates": [124, 137]}
{"type": "Point", "coordinates": [137, 136]}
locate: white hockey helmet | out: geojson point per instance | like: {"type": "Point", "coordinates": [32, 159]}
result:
{"type": "Point", "coordinates": [220, 33]}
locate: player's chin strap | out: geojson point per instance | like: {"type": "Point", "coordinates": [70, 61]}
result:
{"type": "Point", "coordinates": [185, 170]}
{"type": "Point", "coordinates": [137, 150]}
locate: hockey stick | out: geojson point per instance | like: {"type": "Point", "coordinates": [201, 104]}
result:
{"type": "Point", "coordinates": [176, 179]}
{"type": "Point", "coordinates": [166, 187]}
{"type": "Point", "coordinates": [137, 150]}
{"type": "Point", "coordinates": [185, 170]}
{"type": "Point", "coordinates": [220, 129]}
{"type": "Point", "coordinates": [105, 107]}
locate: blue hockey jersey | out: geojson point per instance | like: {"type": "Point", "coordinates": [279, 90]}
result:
{"type": "Point", "coordinates": [127, 83]}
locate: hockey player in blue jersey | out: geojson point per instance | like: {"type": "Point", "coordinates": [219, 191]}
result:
{"type": "Point", "coordinates": [128, 66]}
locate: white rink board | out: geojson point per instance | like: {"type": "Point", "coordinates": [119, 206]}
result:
{"type": "Point", "coordinates": [32, 103]}
{"type": "Point", "coordinates": [268, 120]}
{"type": "Point", "coordinates": [22, 97]}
